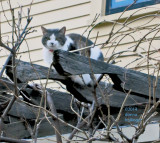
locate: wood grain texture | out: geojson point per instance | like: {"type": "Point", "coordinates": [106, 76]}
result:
{"type": "Point", "coordinates": [26, 72]}
{"type": "Point", "coordinates": [67, 64]}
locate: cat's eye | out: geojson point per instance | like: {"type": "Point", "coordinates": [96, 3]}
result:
{"type": "Point", "coordinates": [47, 38]}
{"type": "Point", "coordinates": [57, 38]}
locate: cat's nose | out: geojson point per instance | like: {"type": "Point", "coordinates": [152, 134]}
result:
{"type": "Point", "coordinates": [52, 43]}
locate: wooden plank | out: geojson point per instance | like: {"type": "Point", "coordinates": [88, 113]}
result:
{"type": "Point", "coordinates": [35, 97]}
{"type": "Point", "coordinates": [16, 130]}
{"type": "Point", "coordinates": [19, 129]}
{"type": "Point", "coordinates": [3, 84]}
{"type": "Point", "coordinates": [45, 129]}
{"type": "Point", "coordinates": [22, 110]}
{"type": "Point", "coordinates": [28, 72]}
{"type": "Point", "coordinates": [116, 98]}
{"type": "Point", "coordinates": [62, 102]}
{"type": "Point", "coordinates": [57, 97]}
{"type": "Point", "coordinates": [72, 64]}
{"type": "Point", "coordinates": [7, 86]}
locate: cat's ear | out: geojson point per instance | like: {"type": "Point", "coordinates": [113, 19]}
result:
{"type": "Point", "coordinates": [44, 30]}
{"type": "Point", "coordinates": [63, 30]}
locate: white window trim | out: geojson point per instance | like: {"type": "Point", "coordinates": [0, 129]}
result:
{"type": "Point", "coordinates": [98, 7]}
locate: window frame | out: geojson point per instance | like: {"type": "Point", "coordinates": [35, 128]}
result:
{"type": "Point", "coordinates": [99, 7]}
{"type": "Point", "coordinates": [109, 10]}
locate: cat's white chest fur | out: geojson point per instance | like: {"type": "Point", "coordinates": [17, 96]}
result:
{"type": "Point", "coordinates": [47, 56]}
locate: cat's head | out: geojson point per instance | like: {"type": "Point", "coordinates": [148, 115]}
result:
{"type": "Point", "coordinates": [53, 39]}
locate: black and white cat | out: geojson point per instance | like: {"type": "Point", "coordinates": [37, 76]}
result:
{"type": "Point", "coordinates": [54, 39]}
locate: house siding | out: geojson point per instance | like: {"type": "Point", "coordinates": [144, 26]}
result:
{"type": "Point", "coordinates": [51, 14]}
{"type": "Point", "coordinates": [76, 16]}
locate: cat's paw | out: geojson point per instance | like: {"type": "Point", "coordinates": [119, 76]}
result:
{"type": "Point", "coordinates": [35, 86]}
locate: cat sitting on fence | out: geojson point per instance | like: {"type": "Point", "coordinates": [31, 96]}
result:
{"type": "Point", "coordinates": [54, 39]}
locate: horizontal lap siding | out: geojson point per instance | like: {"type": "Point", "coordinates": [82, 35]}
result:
{"type": "Point", "coordinates": [75, 15]}
{"type": "Point", "coordinates": [131, 40]}
{"type": "Point", "coordinates": [16, 3]}
{"type": "Point", "coordinates": [51, 14]}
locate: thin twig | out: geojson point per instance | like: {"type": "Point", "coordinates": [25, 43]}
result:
{"type": "Point", "coordinates": [56, 122]}
{"type": "Point", "coordinates": [6, 139]}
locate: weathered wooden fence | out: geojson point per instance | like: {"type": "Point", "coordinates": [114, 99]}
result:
{"type": "Point", "coordinates": [22, 115]}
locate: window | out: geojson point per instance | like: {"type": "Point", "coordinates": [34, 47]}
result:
{"type": "Point", "coordinates": [115, 6]}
